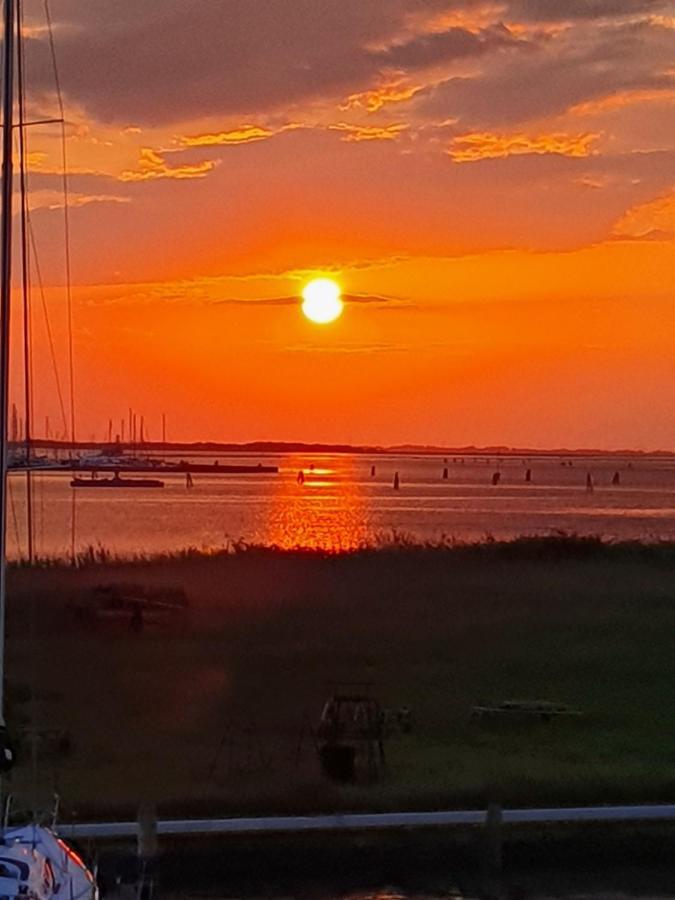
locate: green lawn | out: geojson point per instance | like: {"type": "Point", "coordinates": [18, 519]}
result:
{"type": "Point", "coordinates": [436, 629]}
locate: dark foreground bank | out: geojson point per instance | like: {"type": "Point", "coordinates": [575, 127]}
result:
{"type": "Point", "coordinates": [560, 862]}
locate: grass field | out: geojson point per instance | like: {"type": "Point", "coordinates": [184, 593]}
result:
{"type": "Point", "coordinates": [205, 711]}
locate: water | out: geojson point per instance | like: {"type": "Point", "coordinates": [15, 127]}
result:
{"type": "Point", "coordinates": [341, 506]}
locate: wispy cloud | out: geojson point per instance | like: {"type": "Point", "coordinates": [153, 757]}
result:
{"type": "Point", "coordinates": [243, 134]}
{"type": "Point", "coordinates": [38, 162]}
{"type": "Point", "coordinates": [374, 99]}
{"type": "Point", "coordinates": [346, 348]}
{"type": "Point", "coordinates": [622, 99]}
{"type": "Point", "coordinates": [254, 303]}
{"type": "Point", "coordinates": [487, 145]}
{"type": "Point", "coordinates": [358, 133]}
{"type": "Point", "coordinates": [654, 220]}
{"type": "Point", "coordinates": [152, 166]}
{"type": "Point", "coordinates": [293, 300]}
{"type": "Point", "coordinates": [50, 199]}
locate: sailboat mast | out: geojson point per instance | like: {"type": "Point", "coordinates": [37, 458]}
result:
{"type": "Point", "coordinates": [6, 183]}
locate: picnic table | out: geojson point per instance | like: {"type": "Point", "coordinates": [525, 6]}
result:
{"type": "Point", "coordinates": [543, 710]}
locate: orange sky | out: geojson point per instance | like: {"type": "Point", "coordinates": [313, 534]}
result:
{"type": "Point", "coordinates": [492, 184]}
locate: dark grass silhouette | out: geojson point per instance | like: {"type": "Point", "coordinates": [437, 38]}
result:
{"type": "Point", "coordinates": [437, 627]}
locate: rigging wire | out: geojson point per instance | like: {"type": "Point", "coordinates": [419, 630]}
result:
{"type": "Point", "coordinates": [5, 296]}
{"type": "Point", "coordinates": [25, 281]}
{"type": "Point", "coordinates": [15, 520]}
{"type": "Point", "coordinates": [66, 225]}
{"type": "Point", "coordinates": [48, 328]}
{"type": "Point", "coordinates": [66, 216]}
{"type": "Point", "coordinates": [28, 382]}
{"type": "Point", "coordinates": [41, 491]}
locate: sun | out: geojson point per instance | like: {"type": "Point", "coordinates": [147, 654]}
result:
{"type": "Point", "coordinates": [321, 301]}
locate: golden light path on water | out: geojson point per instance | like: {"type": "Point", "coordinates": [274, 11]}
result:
{"type": "Point", "coordinates": [322, 508]}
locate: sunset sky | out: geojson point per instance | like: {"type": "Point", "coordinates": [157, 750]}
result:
{"type": "Point", "coordinates": [491, 183]}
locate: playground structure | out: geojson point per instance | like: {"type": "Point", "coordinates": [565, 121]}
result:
{"type": "Point", "coordinates": [349, 737]}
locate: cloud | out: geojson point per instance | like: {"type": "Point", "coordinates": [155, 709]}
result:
{"type": "Point", "coordinates": [120, 59]}
{"type": "Point", "coordinates": [150, 62]}
{"type": "Point", "coordinates": [653, 220]}
{"type": "Point", "coordinates": [51, 199]}
{"type": "Point", "coordinates": [185, 60]}
{"type": "Point", "coordinates": [255, 303]}
{"type": "Point", "coordinates": [622, 99]}
{"type": "Point", "coordinates": [571, 10]}
{"type": "Point", "coordinates": [346, 348]}
{"type": "Point", "coordinates": [577, 65]}
{"type": "Point", "coordinates": [294, 300]}
{"type": "Point", "coordinates": [38, 163]}
{"type": "Point", "coordinates": [152, 166]}
{"type": "Point", "coordinates": [369, 132]}
{"type": "Point", "coordinates": [382, 299]}
{"type": "Point", "coordinates": [655, 235]}
{"type": "Point", "coordinates": [595, 182]}
{"type": "Point", "coordinates": [429, 50]}
{"type": "Point", "coordinates": [374, 99]}
{"type": "Point", "coordinates": [244, 134]}
{"type": "Point", "coordinates": [486, 145]}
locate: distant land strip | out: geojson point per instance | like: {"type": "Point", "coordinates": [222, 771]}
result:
{"type": "Point", "coordinates": [252, 447]}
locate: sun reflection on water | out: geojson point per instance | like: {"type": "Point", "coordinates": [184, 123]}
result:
{"type": "Point", "coordinates": [323, 510]}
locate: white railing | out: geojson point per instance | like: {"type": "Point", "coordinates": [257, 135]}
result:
{"type": "Point", "coordinates": [362, 821]}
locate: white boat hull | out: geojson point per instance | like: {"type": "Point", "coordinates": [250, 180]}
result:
{"type": "Point", "coordinates": [35, 864]}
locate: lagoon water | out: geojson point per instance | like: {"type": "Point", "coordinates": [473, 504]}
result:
{"type": "Point", "coordinates": [340, 505]}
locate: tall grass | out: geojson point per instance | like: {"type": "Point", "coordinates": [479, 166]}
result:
{"type": "Point", "coordinates": [557, 546]}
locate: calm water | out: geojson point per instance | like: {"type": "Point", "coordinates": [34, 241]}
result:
{"type": "Point", "coordinates": [340, 505]}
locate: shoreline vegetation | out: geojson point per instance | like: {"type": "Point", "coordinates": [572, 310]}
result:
{"type": "Point", "coordinates": [210, 709]}
{"type": "Point", "coordinates": [556, 545]}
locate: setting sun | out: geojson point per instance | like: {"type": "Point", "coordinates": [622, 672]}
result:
{"type": "Point", "coordinates": [321, 301]}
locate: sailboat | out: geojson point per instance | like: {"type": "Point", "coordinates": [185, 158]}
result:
{"type": "Point", "coordinates": [35, 864]}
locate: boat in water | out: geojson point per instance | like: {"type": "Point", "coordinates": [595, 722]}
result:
{"type": "Point", "coordinates": [114, 460]}
{"type": "Point", "coordinates": [116, 482]}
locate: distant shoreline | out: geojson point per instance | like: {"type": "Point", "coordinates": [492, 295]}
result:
{"type": "Point", "coordinates": [276, 447]}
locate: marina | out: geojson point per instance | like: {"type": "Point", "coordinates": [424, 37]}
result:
{"type": "Point", "coordinates": [339, 504]}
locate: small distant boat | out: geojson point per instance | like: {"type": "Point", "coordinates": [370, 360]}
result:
{"type": "Point", "coordinates": [116, 482]}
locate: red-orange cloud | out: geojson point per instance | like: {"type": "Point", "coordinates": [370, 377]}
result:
{"type": "Point", "coordinates": [487, 145]}
{"type": "Point", "coordinates": [244, 134]}
{"type": "Point", "coordinates": [374, 99]}
{"type": "Point", "coordinates": [369, 132]}
{"type": "Point", "coordinates": [152, 166]}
